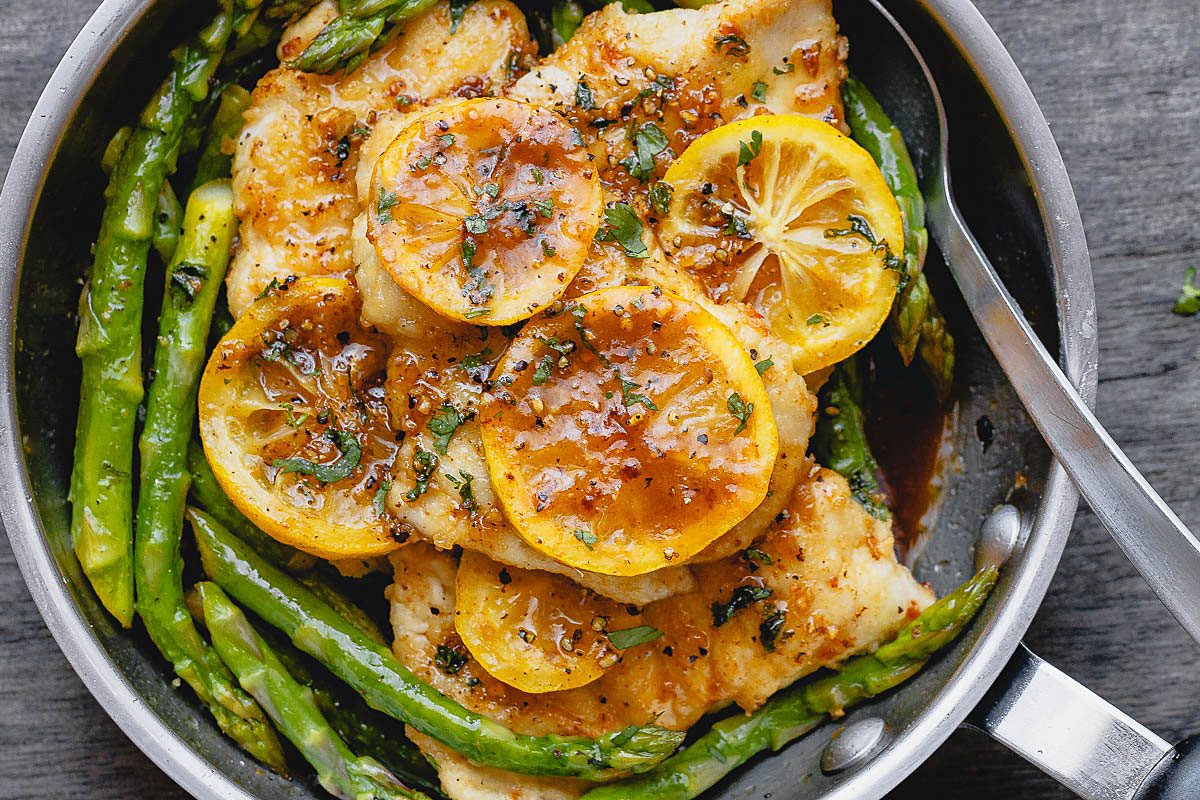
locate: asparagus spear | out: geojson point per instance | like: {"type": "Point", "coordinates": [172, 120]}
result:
{"type": "Point", "coordinates": [194, 277]}
{"type": "Point", "coordinates": [796, 711]}
{"type": "Point", "coordinates": [840, 440]}
{"type": "Point", "coordinates": [565, 18]}
{"type": "Point", "coordinates": [207, 493]}
{"type": "Point", "coordinates": [345, 41]}
{"type": "Point", "coordinates": [167, 214]}
{"type": "Point", "coordinates": [110, 313]}
{"type": "Point", "coordinates": [365, 730]}
{"type": "Point", "coordinates": [388, 686]}
{"type": "Point", "coordinates": [227, 123]}
{"type": "Point", "coordinates": [293, 708]}
{"type": "Point", "coordinates": [916, 324]}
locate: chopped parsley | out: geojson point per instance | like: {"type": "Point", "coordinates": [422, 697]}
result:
{"type": "Point", "coordinates": [771, 628]}
{"type": "Point", "coordinates": [632, 637]}
{"type": "Point", "coordinates": [348, 447]}
{"type": "Point", "coordinates": [542, 373]}
{"type": "Point", "coordinates": [466, 493]}
{"type": "Point", "coordinates": [545, 207]}
{"type": "Point", "coordinates": [784, 70]}
{"type": "Point", "coordinates": [741, 411]}
{"type": "Point", "coordinates": [380, 499]}
{"type": "Point", "coordinates": [450, 660]}
{"type": "Point", "coordinates": [583, 96]}
{"type": "Point", "coordinates": [748, 152]}
{"type": "Point", "coordinates": [858, 226]}
{"type": "Point", "coordinates": [424, 464]}
{"type": "Point", "coordinates": [468, 252]}
{"type": "Point", "coordinates": [648, 141]}
{"type": "Point", "coordinates": [188, 278]}
{"type": "Point", "coordinates": [764, 365]}
{"type": "Point", "coordinates": [660, 196]}
{"type": "Point", "coordinates": [444, 422]}
{"type": "Point", "coordinates": [631, 397]}
{"type": "Point", "coordinates": [759, 92]}
{"type": "Point", "coordinates": [422, 163]}
{"type": "Point", "coordinates": [1188, 303]}
{"type": "Point", "coordinates": [294, 420]}
{"type": "Point", "coordinates": [625, 228]}
{"type": "Point", "coordinates": [458, 8]}
{"type": "Point", "coordinates": [548, 249]}
{"type": "Point", "coordinates": [383, 208]}
{"type": "Point", "coordinates": [815, 319]}
{"type": "Point", "coordinates": [732, 45]}
{"type": "Point", "coordinates": [447, 139]}
{"type": "Point", "coordinates": [587, 537]}
{"type": "Point", "coordinates": [753, 554]}
{"type": "Point", "coordinates": [742, 597]}
{"type": "Point", "coordinates": [476, 312]}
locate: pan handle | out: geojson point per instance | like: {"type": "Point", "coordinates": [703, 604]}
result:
{"type": "Point", "coordinates": [1074, 736]}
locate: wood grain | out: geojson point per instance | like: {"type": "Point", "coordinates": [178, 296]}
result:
{"type": "Point", "coordinates": [1120, 85]}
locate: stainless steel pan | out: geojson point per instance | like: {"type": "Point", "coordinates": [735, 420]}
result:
{"type": "Point", "coordinates": [1013, 190]}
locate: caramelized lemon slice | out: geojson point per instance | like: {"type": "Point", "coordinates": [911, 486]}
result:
{"type": "Point", "coordinates": [627, 431]}
{"type": "Point", "coordinates": [484, 209]}
{"type": "Point", "coordinates": [534, 630]}
{"type": "Point", "coordinates": [788, 214]}
{"type": "Point", "coordinates": [295, 424]}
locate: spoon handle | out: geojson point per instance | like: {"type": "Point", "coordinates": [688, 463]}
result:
{"type": "Point", "coordinates": [1162, 549]}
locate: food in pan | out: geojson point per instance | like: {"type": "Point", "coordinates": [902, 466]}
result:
{"type": "Point", "coordinates": [512, 379]}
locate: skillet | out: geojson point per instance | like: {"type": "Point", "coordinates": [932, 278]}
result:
{"type": "Point", "coordinates": [1013, 190]}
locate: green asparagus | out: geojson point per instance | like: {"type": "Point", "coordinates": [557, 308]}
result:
{"type": "Point", "coordinates": [565, 18]}
{"type": "Point", "coordinates": [214, 162]}
{"type": "Point", "coordinates": [208, 494]}
{"type": "Point", "coordinates": [345, 41]}
{"type": "Point", "coordinates": [110, 312]}
{"type": "Point", "coordinates": [916, 325]}
{"type": "Point", "coordinates": [293, 708]}
{"type": "Point", "coordinates": [194, 276]}
{"type": "Point", "coordinates": [796, 711]}
{"type": "Point", "coordinates": [364, 729]}
{"type": "Point", "coordinates": [388, 686]}
{"type": "Point", "coordinates": [167, 213]}
{"type": "Point", "coordinates": [840, 440]}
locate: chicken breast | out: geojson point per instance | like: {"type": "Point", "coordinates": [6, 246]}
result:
{"type": "Point", "coordinates": [295, 160]}
{"type": "Point", "coordinates": [688, 71]}
{"type": "Point", "coordinates": [825, 571]}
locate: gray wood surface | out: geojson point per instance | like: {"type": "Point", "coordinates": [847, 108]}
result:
{"type": "Point", "coordinates": [1120, 85]}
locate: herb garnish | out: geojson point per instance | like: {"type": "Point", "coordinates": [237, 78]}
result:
{"type": "Point", "coordinates": [444, 422]}
{"type": "Point", "coordinates": [583, 96]}
{"type": "Point", "coordinates": [447, 139]}
{"type": "Point", "coordinates": [189, 279]}
{"type": "Point", "coordinates": [346, 444]}
{"type": "Point", "coordinates": [380, 499]}
{"type": "Point", "coordinates": [753, 554]}
{"type": "Point", "coordinates": [815, 319]}
{"type": "Point", "coordinates": [784, 70]}
{"type": "Point", "coordinates": [587, 537]}
{"type": "Point", "coordinates": [383, 208]}
{"type": "Point", "coordinates": [732, 45]}
{"type": "Point", "coordinates": [748, 152]}
{"type": "Point", "coordinates": [771, 627]}
{"type": "Point", "coordinates": [542, 373]}
{"type": "Point", "coordinates": [764, 365]}
{"type": "Point", "coordinates": [759, 92]}
{"type": "Point", "coordinates": [1188, 303]}
{"type": "Point", "coordinates": [858, 226]}
{"type": "Point", "coordinates": [466, 494]}
{"type": "Point", "coordinates": [630, 397]}
{"type": "Point", "coordinates": [449, 660]}
{"type": "Point", "coordinates": [625, 228]}
{"type": "Point", "coordinates": [424, 464]}
{"type": "Point", "coordinates": [660, 196]}
{"type": "Point", "coordinates": [741, 598]}
{"type": "Point", "coordinates": [648, 141]}
{"type": "Point", "coordinates": [741, 411]}
{"type": "Point", "coordinates": [632, 637]}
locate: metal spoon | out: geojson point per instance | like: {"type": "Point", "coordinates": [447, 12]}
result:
{"type": "Point", "coordinates": [1162, 549]}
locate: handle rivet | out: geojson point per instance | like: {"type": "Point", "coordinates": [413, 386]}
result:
{"type": "Point", "coordinates": [998, 536]}
{"type": "Point", "coordinates": [853, 744]}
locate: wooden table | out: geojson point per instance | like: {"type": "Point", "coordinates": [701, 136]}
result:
{"type": "Point", "coordinates": [1120, 85]}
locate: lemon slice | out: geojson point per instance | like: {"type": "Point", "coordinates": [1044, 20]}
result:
{"type": "Point", "coordinates": [484, 209]}
{"type": "Point", "coordinates": [295, 424]}
{"type": "Point", "coordinates": [627, 431]}
{"type": "Point", "coordinates": [534, 630]}
{"type": "Point", "coordinates": [786, 213]}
